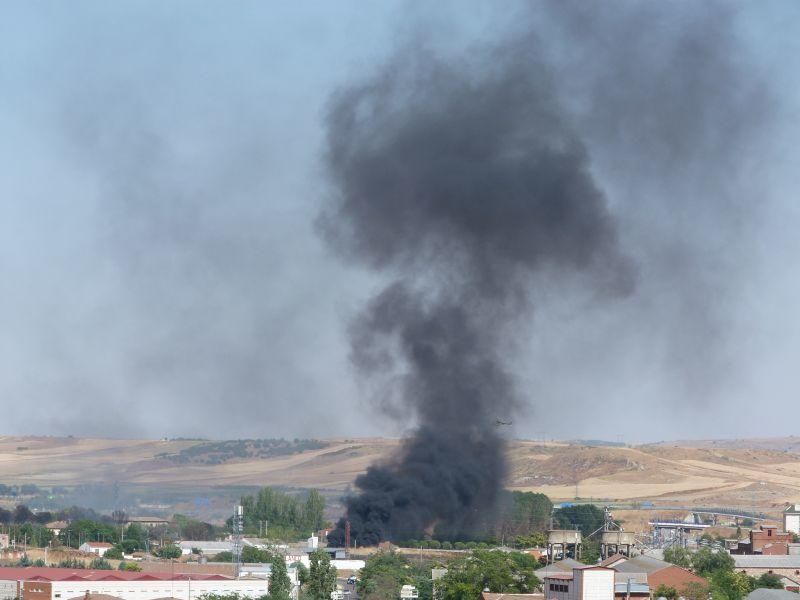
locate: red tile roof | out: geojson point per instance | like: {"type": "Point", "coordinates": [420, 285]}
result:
{"type": "Point", "coordinates": [57, 574]}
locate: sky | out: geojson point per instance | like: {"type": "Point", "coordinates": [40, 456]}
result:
{"type": "Point", "coordinates": [163, 168]}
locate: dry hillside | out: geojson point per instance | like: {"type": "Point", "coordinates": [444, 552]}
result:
{"type": "Point", "coordinates": [711, 474]}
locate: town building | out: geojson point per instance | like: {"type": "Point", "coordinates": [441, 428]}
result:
{"type": "Point", "coordinates": [48, 583]}
{"type": "Point", "coordinates": [765, 540]}
{"type": "Point", "coordinates": [768, 594]}
{"type": "Point", "coordinates": [791, 519]}
{"type": "Point", "coordinates": [98, 548]}
{"type": "Point", "coordinates": [206, 547]}
{"type": "Point", "coordinates": [654, 572]}
{"type": "Point", "coordinates": [787, 567]}
{"type": "Point", "coordinates": [493, 596]}
{"type": "Point", "coordinates": [562, 566]}
{"type": "Point", "coordinates": [148, 521]}
{"type": "Point", "coordinates": [584, 583]}
{"type": "Point", "coordinates": [5, 540]}
{"type": "Point", "coordinates": [57, 526]}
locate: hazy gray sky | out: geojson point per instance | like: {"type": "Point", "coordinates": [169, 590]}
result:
{"type": "Point", "coordinates": [161, 171]}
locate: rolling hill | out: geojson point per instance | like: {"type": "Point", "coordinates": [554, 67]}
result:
{"type": "Point", "coordinates": [763, 473]}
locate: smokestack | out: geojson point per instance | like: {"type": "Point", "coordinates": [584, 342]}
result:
{"type": "Point", "coordinates": [464, 186]}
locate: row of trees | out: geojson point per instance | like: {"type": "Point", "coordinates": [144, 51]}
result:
{"type": "Point", "coordinates": [467, 576]}
{"type": "Point", "coordinates": [22, 514]}
{"type": "Point", "coordinates": [283, 516]}
{"type": "Point", "coordinates": [316, 582]}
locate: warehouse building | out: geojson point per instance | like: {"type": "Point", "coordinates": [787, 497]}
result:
{"type": "Point", "coordinates": [48, 583]}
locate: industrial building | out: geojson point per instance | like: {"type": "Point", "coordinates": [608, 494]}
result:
{"type": "Point", "coordinates": [584, 583]}
{"type": "Point", "coordinates": [48, 583]}
{"type": "Point", "coordinates": [786, 567]}
{"type": "Point", "coordinates": [564, 543]}
{"type": "Point", "coordinates": [98, 548]}
{"type": "Point", "coordinates": [654, 572]}
{"type": "Point", "coordinates": [765, 540]}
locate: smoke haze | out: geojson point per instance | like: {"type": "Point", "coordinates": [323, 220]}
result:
{"type": "Point", "coordinates": [161, 170]}
{"type": "Point", "coordinates": [462, 181]}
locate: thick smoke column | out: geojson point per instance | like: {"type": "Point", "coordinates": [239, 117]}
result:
{"type": "Point", "coordinates": [465, 185]}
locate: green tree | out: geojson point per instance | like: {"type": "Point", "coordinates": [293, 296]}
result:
{"type": "Point", "coordinates": [695, 591]}
{"type": "Point", "coordinates": [591, 551]}
{"type": "Point", "coordinates": [71, 563]}
{"type": "Point", "coordinates": [192, 529]}
{"type": "Point", "coordinates": [588, 518]}
{"type": "Point", "coordinates": [534, 540]}
{"type": "Point", "coordinates": [726, 584]}
{"type": "Point", "coordinates": [499, 572]}
{"type": "Point", "coordinates": [678, 555]}
{"type": "Point", "coordinates": [100, 564]}
{"type": "Point", "coordinates": [665, 591]}
{"type": "Point", "coordinates": [251, 554]}
{"type": "Point", "coordinates": [313, 512]}
{"type": "Point", "coordinates": [114, 553]}
{"type": "Point", "coordinates": [302, 572]}
{"type": "Point", "coordinates": [135, 536]}
{"type": "Point", "coordinates": [286, 516]}
{"type": "Point", "coordinates": [233, 596]}
{"type": "Point", "coordinates": [223, 556]}
{"type": "Point", "coordinates": [768, 580]}
{"type": "Point", "coordinates": [383, 576]}
{"type": "Point", "coordinates": [706, 561]}
{"type": "Point", "coordinates": [280, 586]}
{"type": "Point", "coordinates": [169, 551]}
{"type": "Point", "coordinates": [531, 512]}
{"type": "Point", "coordinates": [321, 576]}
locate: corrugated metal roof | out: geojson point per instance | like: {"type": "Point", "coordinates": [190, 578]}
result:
{"type": "Point", "coordinates": [636, 588]}
{"type": "Point", "coordinates": [641, 564]}
{"type": "Point", "coordinates": [492, 596]}
{"type": "Point", "coordinates": [56, 574]}
{"type": "Point", "coordinates": [778, 561]}
{"type": "Point", "coordinates": [638, 577]}
{"type": "Point", "coordinates": [767, 594]}
{"type": "Point", "coordinates": [562, 566]}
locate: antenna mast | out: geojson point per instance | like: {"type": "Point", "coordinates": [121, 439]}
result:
{"type": "Point", "coordinates": [236, 537]}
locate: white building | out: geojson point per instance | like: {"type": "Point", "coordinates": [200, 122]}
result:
{"type": "Point", "coordinates": [791, 518]}
{"type": "Point", "coordinates": [43, 583]}
{"type": "Point", "coordinates": [584, 583]}
{"type": "Point", "coordinates": [98, 548]}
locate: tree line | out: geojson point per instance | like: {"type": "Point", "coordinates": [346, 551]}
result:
{"type": "Point", "coordinates": [283, 516]}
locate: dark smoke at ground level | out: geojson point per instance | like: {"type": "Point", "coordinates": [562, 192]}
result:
{"type": "Point", "coordinates": [436, 488]}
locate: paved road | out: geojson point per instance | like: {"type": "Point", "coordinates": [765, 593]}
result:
{"type": "Point", "coordinates": [350, 591]}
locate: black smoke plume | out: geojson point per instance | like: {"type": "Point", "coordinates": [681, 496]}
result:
{"type": "Point", "coordinates": [464, 184]}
